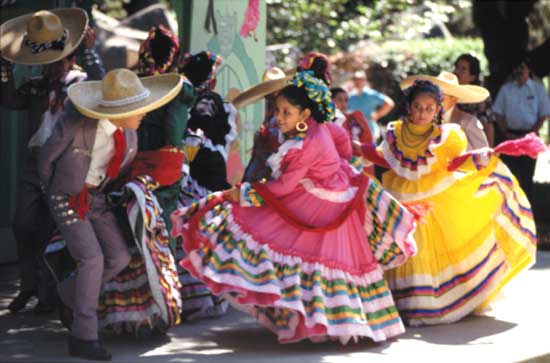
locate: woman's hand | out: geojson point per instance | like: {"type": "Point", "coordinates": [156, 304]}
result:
{"type": "Point", "coordinates": [232, 195]}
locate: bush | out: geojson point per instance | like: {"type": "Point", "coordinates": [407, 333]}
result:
{"type": "Point", "coordinates": [427, 56]}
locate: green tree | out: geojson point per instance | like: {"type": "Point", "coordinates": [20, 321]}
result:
{"type": "Point", "coordinates": [513, 31]}
{"type": "Point", "coordinates": [329, 26]}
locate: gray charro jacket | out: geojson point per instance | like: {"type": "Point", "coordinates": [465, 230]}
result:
{"type": "Point", "coordinates": [472, 127]}
{"type": "Point", "coordinates": [64, 160]}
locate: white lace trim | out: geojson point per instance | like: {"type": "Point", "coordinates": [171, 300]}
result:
{"type": "Point", "coordinates": [422, 169]}
{"type": "Point", "coordinates": [334, 196]}
{"type": "Point", "coordinates": [216, 148]}
{"type": "Point", "coordinates": [126, 101]}
{"type": "Point", "coordinates": [274, 160]}
{"type": "Point", "coordinates": [232, 120]}
{"type": "Point", "coordinates": [231, 136]}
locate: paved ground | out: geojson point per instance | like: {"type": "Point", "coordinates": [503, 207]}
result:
{"type": "Point", "coordinates": [516, 331]}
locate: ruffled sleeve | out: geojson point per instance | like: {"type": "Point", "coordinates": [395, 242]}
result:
{"type": "Point", "coordinates": [293, 168]}
{"type": "Point", "coordinates": [341, 140]}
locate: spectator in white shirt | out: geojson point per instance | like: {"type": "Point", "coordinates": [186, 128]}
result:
{"type": "Point", "coordinates": [521, 107]}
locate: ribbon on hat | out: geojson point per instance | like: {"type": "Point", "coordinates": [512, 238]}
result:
{"type": "Point", "coordinates": [126, 101]}
{"type": "Point", "coordinates": [58, 44]}
{"type": "Point", "coordinates": [317, 91]}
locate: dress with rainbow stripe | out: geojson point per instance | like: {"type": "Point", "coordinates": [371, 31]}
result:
{"type": "Point", "coordinates": [477, 235]}
{"type": "Point", "coordinates": [312, 272]}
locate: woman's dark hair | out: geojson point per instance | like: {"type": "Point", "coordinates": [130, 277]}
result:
{"type": "Point", "coordinates": [160, 48]}
{"type": "Point", "coordinates": [198, 68]}
{"type": "Point", "coordinates": [473, 63]}
{"type": "Point", "coordinates": [336, 90]}
{"type": "Point", "coordinates": [209, 115]}
{"type": "Point", "coordinates": [319, 66]}
{"type": "Point", "coordinates": [297, 96]}
{"type": "Point", "coordinates": [428, 88]}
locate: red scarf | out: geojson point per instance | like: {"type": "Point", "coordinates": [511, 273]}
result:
{"type": "Point", "coordinates": [116, 161]}
{"type": "Point", "coordinates": [79, 202]}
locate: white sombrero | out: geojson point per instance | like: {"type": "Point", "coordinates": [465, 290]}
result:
{"type": "Point", "coordinates": [44, 37]}
{"type": "Point", "coordinates": [448, 82]}
{"type": "Point", "coordinates": [123, 94]}
{"type": "Point", "coordinates": [274, 80]}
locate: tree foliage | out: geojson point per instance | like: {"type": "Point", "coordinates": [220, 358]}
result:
{"type": "Point", "coordinates": [334, 25]}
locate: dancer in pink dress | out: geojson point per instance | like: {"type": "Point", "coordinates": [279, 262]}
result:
{"type": "Point", "coordinates": [305, 252]}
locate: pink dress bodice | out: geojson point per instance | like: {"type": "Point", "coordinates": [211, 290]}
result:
{"type": "Point", "coordinates": [319, 160]}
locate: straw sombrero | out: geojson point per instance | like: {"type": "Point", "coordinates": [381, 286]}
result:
{"type": "Point", "coordinates": [123, 94]}
{"type": "Point", "coordinates": [274, 80]}
{"type": "Point", "coordinates": [43, 37]}
{"type": "Point", "coordinates": [448, 82]}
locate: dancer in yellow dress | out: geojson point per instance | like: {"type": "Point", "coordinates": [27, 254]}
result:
{"type": "Point", "coordinates": [478, 230]}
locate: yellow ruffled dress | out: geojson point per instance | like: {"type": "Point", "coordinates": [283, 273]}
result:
{"type": "Point", "coordinates": [478, 232]}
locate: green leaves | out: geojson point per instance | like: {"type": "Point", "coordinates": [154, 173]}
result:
{"type": "Point", "coordinates": [427, 56]}
{"type": "Point", "coordinates": [330, 26]}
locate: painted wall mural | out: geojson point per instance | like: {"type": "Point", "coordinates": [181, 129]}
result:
{"type": "Point", "coordinates": [243, 57]}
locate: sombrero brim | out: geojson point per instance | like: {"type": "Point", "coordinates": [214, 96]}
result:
{"type": "Point", "coordinates": [12, 32]}
{"type": "Point", "coordinates": [232, 93]}
{"type": "Point", "coordinates": [259, 91]}
{"type": "Point", "coordinates": [86, 97]}
{"type": "Point", "coordinates": [464, 93]}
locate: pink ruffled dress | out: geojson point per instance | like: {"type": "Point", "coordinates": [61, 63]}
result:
{"type": "Point", "coordinates": [305, 252]}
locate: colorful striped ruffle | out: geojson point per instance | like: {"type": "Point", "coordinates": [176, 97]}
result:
{"type": "Point", "coordinates": [472, 283]}
{"type": "Point", "coordinates": [451, 295]}
{"type": "Point", "coordinates": [294, 297]}
{"type": "Point", "coordinates": [147, 292]}
{"type": "Point", "coordinates": [197, 302]}
{"type": "Point", "coordinates": [515, 230]}
{"type": "Point", "coordinates": [389, 227]}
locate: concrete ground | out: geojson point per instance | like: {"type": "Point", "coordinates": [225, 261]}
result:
{"type": "Point", "coordinates": [517, 330]}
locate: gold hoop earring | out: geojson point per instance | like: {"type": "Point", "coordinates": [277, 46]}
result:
{"type": "Point", "coordinates": [301, 126]}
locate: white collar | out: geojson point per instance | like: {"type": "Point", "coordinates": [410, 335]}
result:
{"type": "Point", "coordinates": [107, 126]}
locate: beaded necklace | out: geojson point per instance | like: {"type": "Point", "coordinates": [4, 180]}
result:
{"type": "Point", "coordinates": [412, 140]}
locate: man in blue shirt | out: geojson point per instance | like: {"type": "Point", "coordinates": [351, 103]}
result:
{"type": "Point", "coordinates": [521, 107]}
{"type": "Point", "coordinates": [373, 104]}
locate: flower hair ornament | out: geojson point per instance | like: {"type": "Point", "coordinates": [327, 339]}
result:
{"type": "Point", "coordinates": [147, 65]}
{"type": "Point", "coordinates": [188, 59]}
{"type": "Point", "coordinates": [307, 62]}
{"type": "Point", "coordinates": [317, 91]}
{"type": "Point", "coordinates": [422, 85]}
